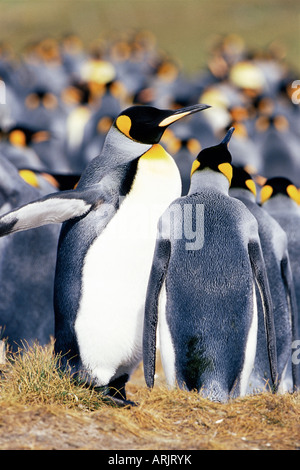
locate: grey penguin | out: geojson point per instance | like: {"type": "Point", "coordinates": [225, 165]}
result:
{"type": "Point", "coordinates": [106, 245]}
{"type": "Point", "coordinates": [280, 198]}
{"type": "Point", "coordinates": [275, 250]}
{"type": "Point", "coordinates": [201, 292]}
{"type": "Point", "coordinates": [27, 268]}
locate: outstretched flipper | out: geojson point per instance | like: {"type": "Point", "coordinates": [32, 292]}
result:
{"type": "Point", "coordinates": [291, 296]}
{"type": "Point", "coordinates": [52, 209]}
{"type": "Point", "coordinates": [157, 275]}
{"type": "Point", "coordinates": [260, 275]}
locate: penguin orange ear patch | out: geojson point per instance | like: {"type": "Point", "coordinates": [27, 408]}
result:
{"type": "Point", "coordinates": [195, 166]}
{"type": "Point", "coordinates": [226, 169]}
{"type": "Point", "coordinates": [293, 193]}
{"type": "Point", "coordinates": [30, 177]}
{"type": "Point", "coordinates": [124, 124]}
{"type": "Point", "coordinates": [18, 138]}
{"type": "Point", "coordinates": [251, 185]}
{"type": "Point", "coordinates": [266, 193]}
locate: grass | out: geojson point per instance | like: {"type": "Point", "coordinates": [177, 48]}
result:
{"type": "Point", "coordinates": [42, 409]}
{"type": "Point", "coordinates": [186, 29]}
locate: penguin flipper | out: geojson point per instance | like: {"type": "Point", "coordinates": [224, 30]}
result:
{"type": "Point", "coordinates": [157, 275]}
{"type": "Point", "coordinates": [261, 278]}
{"type": "Point", "coordinates": [288, 281]}
{"type": "Point", "coordinates": [51, 209]}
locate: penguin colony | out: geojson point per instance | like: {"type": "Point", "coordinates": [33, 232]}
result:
{"type": "Point", "coordinates": [158, 211]}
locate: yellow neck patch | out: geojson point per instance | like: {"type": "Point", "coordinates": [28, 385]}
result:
{"type": "Point", "coordinates": [156, 152]}
{"type": "Point", "coordinates": [226, 169]}
{"type": "Point", "coordinates": [251, 185]}
{"type": "Point", "coordinates": [266, 193]}
{"type": "Point", "coordinates": [124, 125]}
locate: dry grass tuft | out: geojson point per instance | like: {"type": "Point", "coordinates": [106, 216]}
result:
{"type": "Point", "coordinates": [42, 409]}
{"type": "Point", "coordinates": [31, 376]}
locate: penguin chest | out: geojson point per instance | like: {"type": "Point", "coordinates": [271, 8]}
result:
{"type": "Point", "coordinates": [116, 270]}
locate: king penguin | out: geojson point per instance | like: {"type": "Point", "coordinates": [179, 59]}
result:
{"type": "Point", "coordinates": [280, 198]}
{"type": "Point", "coordinates": [106, 246]}
{"type": "Point", "coordinates": [201, 293]}
{"type": "Point", "coordinates": [275, 250]}
{"type": "Point", "coordinates": [27, 266]}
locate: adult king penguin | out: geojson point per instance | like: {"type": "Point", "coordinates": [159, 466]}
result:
{"type": "Point", "coordinates": [274, 245]}
{"type": "Point", "coordinates": [202, 292]}
{"type": "Point", "coordinates": [280, 198]}
{"type": "Point", "coordinates": [106, 245]}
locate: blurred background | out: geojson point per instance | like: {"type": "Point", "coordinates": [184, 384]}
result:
{"type": "Point", "coordinates": [186, 29]}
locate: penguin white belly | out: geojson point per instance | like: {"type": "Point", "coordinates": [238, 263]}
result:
{"type": "Point", "coordinates": [116, 270]}
{"type": "Point", "coordinates": [250, 348]}
{"type": "Point", "coordinates": [165, 340]}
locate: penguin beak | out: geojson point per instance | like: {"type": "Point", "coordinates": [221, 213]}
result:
{"type": "Point", "coordinates": [182, 112]}
{"type": "Point", "coordinates": [227, 137]}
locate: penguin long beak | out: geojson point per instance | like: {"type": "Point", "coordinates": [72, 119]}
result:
{"type": "Point", "coordinates": [180, 113]}
{"type": "Point", "coordinates": [227, 137]}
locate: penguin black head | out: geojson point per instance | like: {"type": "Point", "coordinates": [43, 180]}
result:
{"type": "Point", "coordinates": [23, 136]}
{"type": "Point", "coordinates": [217, 158]}
{"type": "Point", "coordinates": [279, 185]}
{"type": "Point", "coordinates": [147, 124]}
{"type": "Point", "coordinates": [241, 179]}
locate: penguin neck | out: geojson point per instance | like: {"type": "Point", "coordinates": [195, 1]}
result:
{"type": "Point", "coordinates": [280, 202]}
{"type": "Point", "coordinates": [119, 149]}
{"type": "Point", "coordinates": [209, 179]}
{"type": "Point", "coordinates": [118, 154]}
{"type": "Point", "coordinates": [243, 194]}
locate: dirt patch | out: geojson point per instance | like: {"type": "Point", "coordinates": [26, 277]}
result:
{"type": "Point", "coordinates": [164, 420]}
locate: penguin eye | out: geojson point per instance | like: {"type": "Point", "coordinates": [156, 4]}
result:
{"type": "Point", "coordinates": [266, 193]}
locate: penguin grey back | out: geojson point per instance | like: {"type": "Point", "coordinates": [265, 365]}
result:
{"type": "Point", "coordinates": [206, 296]}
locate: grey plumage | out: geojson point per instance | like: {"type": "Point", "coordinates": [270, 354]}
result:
{"type": "Point", "coordinates": [204, 299]}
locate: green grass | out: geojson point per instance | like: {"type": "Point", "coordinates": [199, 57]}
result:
{"type": "Point", "coordinates": [184, 28]}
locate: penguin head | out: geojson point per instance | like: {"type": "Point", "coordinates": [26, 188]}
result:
{"type": "Point", "coordinates": [217, 158]}
{"type": "Point", "coordinates": [241, 179]}
{"type": "Point", "coordinates": [279, 186]}
{"type": "Point", "coordinates": [146, 124]}
{"type": "Point", "coordinates": [24, 136]}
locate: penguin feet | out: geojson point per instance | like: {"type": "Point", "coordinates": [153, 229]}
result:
{"type": "Point", "coordinates": [114, 393]}
{"type": "Point", "coordinates": [118, 402]}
